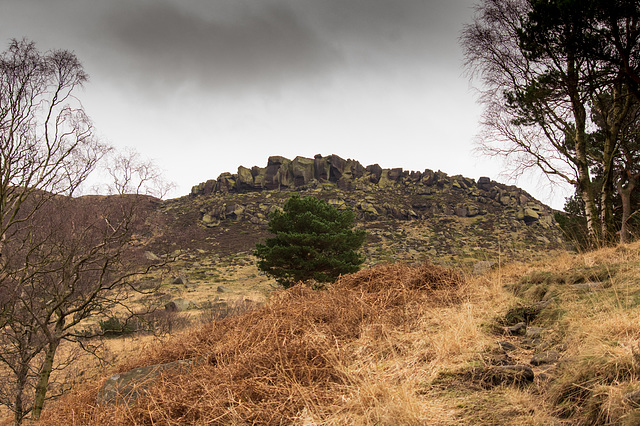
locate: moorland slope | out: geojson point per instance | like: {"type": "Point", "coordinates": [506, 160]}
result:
{"type": "Point", "coordinates": [554, 341]}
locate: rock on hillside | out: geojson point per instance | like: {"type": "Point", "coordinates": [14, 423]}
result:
{"type": "Point", "coordinates": [409, 215]}
{"type": "Point", "coordinates": [393, 193]}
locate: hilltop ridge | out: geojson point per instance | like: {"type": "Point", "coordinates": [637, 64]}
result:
{"type": "Point", "coordinates": [333, 172]}
{"type": "Point", "coordinates": [409, 215]}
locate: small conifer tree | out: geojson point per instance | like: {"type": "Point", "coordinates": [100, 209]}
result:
{"type": "Point", "coordinates": [313, 240]}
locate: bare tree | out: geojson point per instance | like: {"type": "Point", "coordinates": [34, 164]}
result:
{"type": "Point", "coordinates": [62, 259]}
{"type": "Point", "coordinates": [47, 143]}
{"type": "Point", "coordinates": [540, 85]}
{"type": "Point", "coordinates": [47, 148]}
{"type": "Point", "coordinates": [129, 173]}
{"type": "Point", "coordinates": [72, 260]}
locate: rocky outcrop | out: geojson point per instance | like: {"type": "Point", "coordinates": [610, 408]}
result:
{"type": "Point", "coordinates": [282, 173]}
{"type": "Point", "coordinates": [372, 192]}
{"type": "Point", "coordinates": [180, 305]}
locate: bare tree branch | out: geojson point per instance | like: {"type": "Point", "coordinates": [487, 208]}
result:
{"type": "Point", "coordinates": [62, 259]}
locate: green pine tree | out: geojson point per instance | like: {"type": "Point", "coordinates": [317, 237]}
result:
{"type": "Point", "coordinates": [313, 241]}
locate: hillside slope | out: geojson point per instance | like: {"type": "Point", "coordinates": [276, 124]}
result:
{"type": "Point", "coordinates": [555, 341]}
{"type": "Point", "coordinates": [409, 216]}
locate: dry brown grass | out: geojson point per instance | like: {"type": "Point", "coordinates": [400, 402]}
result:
{"type": "Point", "coordinates": [391, 344]}
{"type": "Point", "coordinates": [353, 354]}
{"type": "Point", "coordinates": [600, 329]}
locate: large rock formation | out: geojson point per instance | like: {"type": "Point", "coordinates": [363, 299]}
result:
{"type": "Point", "coordinates": [282, 173]}
{"type": "Point", "coordinates": [408, 215]}
{"type": "Point", "coordinates": [372, 192]}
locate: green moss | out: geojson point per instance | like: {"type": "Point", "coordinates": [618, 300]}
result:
{"type": "Point", "coordinates": [520, 314]}
{"type": "Point", "coordinates": [536, 292]}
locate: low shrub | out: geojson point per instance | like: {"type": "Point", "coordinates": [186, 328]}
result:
{"type": "Point", "coordinates": [113, 327]}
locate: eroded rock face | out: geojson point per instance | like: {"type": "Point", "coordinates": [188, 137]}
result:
{"type": "Point", "coordinates": [390, 193]}
{"type": "Point", "coordinates": [282, 173]}
{"type": "Point", "coordinates": [245, 180]}
{"type": "Point", "coordinates": [302, 170]}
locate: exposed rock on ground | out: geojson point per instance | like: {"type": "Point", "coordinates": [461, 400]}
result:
{"type": "Point", "coordinates": [128, 386]}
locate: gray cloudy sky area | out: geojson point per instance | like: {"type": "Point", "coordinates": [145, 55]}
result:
{"type": "Point", "coordinates": [203, 86]}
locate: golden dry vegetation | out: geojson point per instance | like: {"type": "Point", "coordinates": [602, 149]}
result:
{"type": "Point", "coordinates": [398, 344]}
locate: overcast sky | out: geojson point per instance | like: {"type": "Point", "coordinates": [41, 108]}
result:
{"type": "Point", "coordinates": [204, 86]}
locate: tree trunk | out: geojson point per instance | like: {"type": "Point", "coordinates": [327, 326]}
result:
{"type": "Point", "coordinates": [607, 222]}
{"type": "Point", "coordinates": [43, 382]}
{"type": "Point", "coordinates": [580, 144]}
{"type": "Point", "coordinates": [591, 211]}
{"type": "Point", "coordinates": [625, 196]}
{"type": "Point", "coordinates": [18, 404]}
{"type": "Point", "coordinates": [614, 113]}
{"type": "Point", "coordinates": [45, 371]}
{"type": "Point", "coordinates": [584, 178]}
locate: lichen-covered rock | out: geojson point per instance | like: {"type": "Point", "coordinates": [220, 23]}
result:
{"type": "Point", "coordinates": [226, 183]}
{"type": "Point", "coordinates": [336, 167]}
{"type": "Point", "coordinates": [321, 168]}
{"type": "Point", "coordinates": [368, 208]}
{"type": "Point", "coordinates": [179, 305]}
{"type": "Point", "coordinates": [204, 188]}
{"type": "Point", "coordinates": [386, 179]}
{"type": "Point", "coordinates": [461, 211]}
{"type": "Point", "coordinates": [519, 329]}
{"type": "Point", "coordinates": [179, 280]}
{"type": "Point", "coordinates": [484, 183]}
{"type": "Point", "coordinates": [373, 173]}
{"type": "Point", "coordinates": [530, 215]}
{"type": "Point", "coordinates": [128, 386]}
{"type": "Point", "coordinates": [273, 177]}
{"type": "Point", "coordinates": [244, 181]}
{"type": "Point", "coordinates": [395, 174]}
{"type": "Point", "coordinates": [258, 174]}
{"type": "Point", "coordinates": [235, 211]}
{"type": "Point", "coordinates": [439, 194]}
{"type": "Point", "coordinates": [302, 170]}
{"type": "Point", "coordinates": [546, 357]}
{"type": "Point", "coordinates": [428, 177]}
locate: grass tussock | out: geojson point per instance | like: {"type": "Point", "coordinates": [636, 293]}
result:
{"type": "Point", "coordinates": [599, 328]}
{"type": "Point", "coordinates": [592, 390]}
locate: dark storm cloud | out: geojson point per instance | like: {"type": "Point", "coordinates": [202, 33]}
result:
{"type": "Point", "coordinates": [235, 44]}
{"type": "Point", "coordinates": [390, 25]}
{"type": "Point", "coordinates": [172, 45]}
{"type": "Point", "coordinates": [232, 45]}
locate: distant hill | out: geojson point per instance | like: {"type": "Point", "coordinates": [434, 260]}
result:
{"type": "Point", "coordinates": [409, 215]}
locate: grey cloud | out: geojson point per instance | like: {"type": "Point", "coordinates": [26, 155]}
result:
{"type": "Point", "coordinates": [411, 31]}
{"type": "Point", "coordinates": [172, 46]}
{"type": "Point", "coordinates": [232, 45]}
{"type": "Point", "coordinates": [235, 44]}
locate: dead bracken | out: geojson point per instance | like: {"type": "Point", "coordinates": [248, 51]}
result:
{"type": "Point", "coordinates": [269, 365]}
